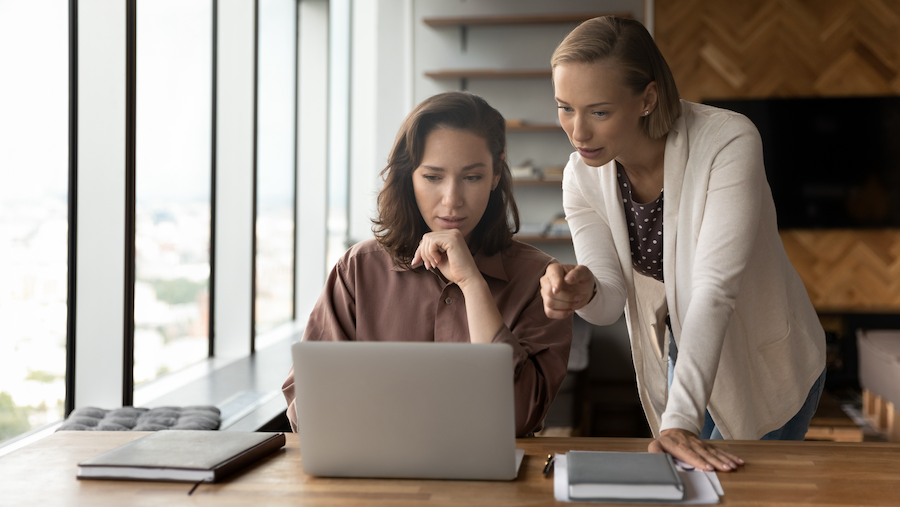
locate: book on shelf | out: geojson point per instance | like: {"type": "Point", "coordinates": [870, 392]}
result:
{"type": "Point", "coordinates": [532, 229]}
{"type": "Point", "coordinates": [182, 456]}
{"type": "Point", "coordinates": [623, 476]}
{"type": "Point", "coordinates": [558, 227]}
{"type": "Point", "coordinates": [552, 173]}
{"type": "Point", "coordinates": [523, 171]}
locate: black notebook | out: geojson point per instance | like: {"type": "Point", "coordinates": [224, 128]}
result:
{"type": "Point", "coordinates": [623, 476]}
{"type": "Point", "coordinates": [181, 455]}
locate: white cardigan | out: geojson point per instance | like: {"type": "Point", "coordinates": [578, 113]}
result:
{"type": "Point", "coordinates": [750, 344]}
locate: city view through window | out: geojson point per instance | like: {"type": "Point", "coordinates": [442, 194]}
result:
{"type": "Point", "coordinates": [174, 175]}
{"type": "Point", "coordinates": [275, 164]}
{"type": "Point", "coordinates": [173, 187]}
{"type": "Point", "coordinates": [33, 213]}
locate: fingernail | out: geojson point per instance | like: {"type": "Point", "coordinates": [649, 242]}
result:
{"type": "Point", "coordinates": [710, 467]}
{"type": "Point", "coordinates": [740, 461]}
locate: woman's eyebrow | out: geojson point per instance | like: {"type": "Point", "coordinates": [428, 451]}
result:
{"type": "Point", "coordinates": [466, 168]}
{"type": "Point", "coordinates": [589, 105]}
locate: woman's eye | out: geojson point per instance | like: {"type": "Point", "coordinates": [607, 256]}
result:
{"type": "Point", "coordinates": [601, 114]}
{"type": "Point", "coordinates": [565, 109]}
{"type": "Point", "coordinates": [431, 177]}
{"type": "Point", "coordinates": [473, 177]}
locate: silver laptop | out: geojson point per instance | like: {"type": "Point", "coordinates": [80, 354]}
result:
{"type": "Point", "coordinates": [406, 410]}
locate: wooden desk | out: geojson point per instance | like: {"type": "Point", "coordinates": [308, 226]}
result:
{"type": "Point", "coordinates": [776, 473]}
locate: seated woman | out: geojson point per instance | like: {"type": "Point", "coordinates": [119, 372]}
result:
{"type": "Point", "coordinates": [443, 266]}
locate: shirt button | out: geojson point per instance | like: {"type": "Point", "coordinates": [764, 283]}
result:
{"type": "Point", "coordinates": [449, 301]}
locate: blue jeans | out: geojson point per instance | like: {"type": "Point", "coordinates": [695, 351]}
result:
{"type": "Point", "coordinates": [795, 429]}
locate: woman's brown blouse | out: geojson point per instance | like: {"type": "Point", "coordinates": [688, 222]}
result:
{"type": "Point", "coordinates": [368, 298]}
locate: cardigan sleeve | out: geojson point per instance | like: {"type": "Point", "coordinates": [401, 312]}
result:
{"type": "Point", "coordinates": [594, 248]}
{"type": "Point", "coordinates": [731, 217]}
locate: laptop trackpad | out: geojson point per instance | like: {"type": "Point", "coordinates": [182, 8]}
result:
{"type": "Point", "coordinates": [520, 453]}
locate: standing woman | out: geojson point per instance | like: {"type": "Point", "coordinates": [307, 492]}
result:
{"type": "Point", "coordinates": [673, 219]}
{"type": "Point", "coordinates": [444, 266]}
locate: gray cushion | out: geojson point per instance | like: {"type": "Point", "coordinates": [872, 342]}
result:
{"type": "Point", "coordinates": [142, 419]}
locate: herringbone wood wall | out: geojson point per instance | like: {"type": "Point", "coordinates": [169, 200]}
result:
{"type": "Point", "coordinates": [780, 48]}
{"type": "Point", "coordinates": [719, 49]}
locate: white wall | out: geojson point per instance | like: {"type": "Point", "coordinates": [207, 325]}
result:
{"type": "Point", "coordinates": [312, 152]}
{"type": "Point", "coordinates": [99, 322]}
{"type": "Point", "coordinates": [234, 178]}
{"type": "Point", "coordinates": [380, 98]}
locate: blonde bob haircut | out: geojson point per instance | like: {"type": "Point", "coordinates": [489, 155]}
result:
{"type": "Point", "coordinates": [628, 45]}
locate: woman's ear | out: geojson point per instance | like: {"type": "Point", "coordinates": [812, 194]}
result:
{"type": "Point", "coordinates": [496, 179]}
{"type": "Point", "coordinates": [651, 97]}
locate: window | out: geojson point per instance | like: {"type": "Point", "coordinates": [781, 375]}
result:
{"type": "Point", "coordinates": [173, 181]}
{"type": "Point", "coordinates": [33, 213]}
{"type": "Point", "coordinates": [339, 129]}
{"type": "Point", "coordinates": [276, 92]}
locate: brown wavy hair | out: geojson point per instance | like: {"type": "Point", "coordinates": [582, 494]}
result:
{"type": "Point", "coordinates": [627, 44]}
{"type": "Point", "coordinates": [400, 226]}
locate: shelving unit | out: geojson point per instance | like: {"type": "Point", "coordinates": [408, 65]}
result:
{"type": "Point", "coordinates": [536, 183]}
{"type": "Point", "coordinates": [464, 22]}
{"type": "Point", "coordinates": [534, 127]}
{"type": "Point", "coordinates": [509, 66]}
{"type": "Point", "coordinates": [465, 75]}
{"type": "Point", "coordinates": [539, 200]}
{"type": "Point", "coordinates": [539, 19]}
{"type": "Point", "coordinates": [489, 74]}
{"type": "Point", "coordinates": [543, 239]}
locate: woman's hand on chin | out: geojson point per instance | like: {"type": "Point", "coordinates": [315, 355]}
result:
{"type": "Point", "coordinates": [684, 445]}
{"type": "Point", "coordinates": [447, 250]}
{"type": "Point", "coordinates": [566, 288]}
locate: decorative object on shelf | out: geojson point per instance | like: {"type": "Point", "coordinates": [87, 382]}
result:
{"type": "Point", "coordinates": [530, 230]}
{"type": "Point", "coordinates": [558, 227]}
{"type": "Point", "coordinates": [523, 171]}
{"type": "Point", "coordinates": [553, 173]}
{"type": "Point", "coordinates": [520, 125]}
{"type": "Point", "coordinates": [554, 231]}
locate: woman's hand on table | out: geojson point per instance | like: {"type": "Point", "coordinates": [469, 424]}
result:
{"type": "Point", "coordinates": [687, 447]}
{"type": "Point", "coordinates": [566, 288]}
{"type": "Point", "coordinates": [447, 251]}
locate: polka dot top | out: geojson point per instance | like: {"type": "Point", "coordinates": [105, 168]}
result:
{"type": "Point", "coordinates": [645, 226]}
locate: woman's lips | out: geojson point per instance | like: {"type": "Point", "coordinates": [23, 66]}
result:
{"type": "Point", "coordinates": [586, 153]}
{"type": "Point", "coordinates": [450, 222]}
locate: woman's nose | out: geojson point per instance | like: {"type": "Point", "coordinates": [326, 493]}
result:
{"type": "Point", "coordinates": [452, 197]}
{"type": "Point", "coordinates": [580, 129]}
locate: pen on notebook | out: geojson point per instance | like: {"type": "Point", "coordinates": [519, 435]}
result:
{"type": "Point", "coordinates": [548, 466]}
